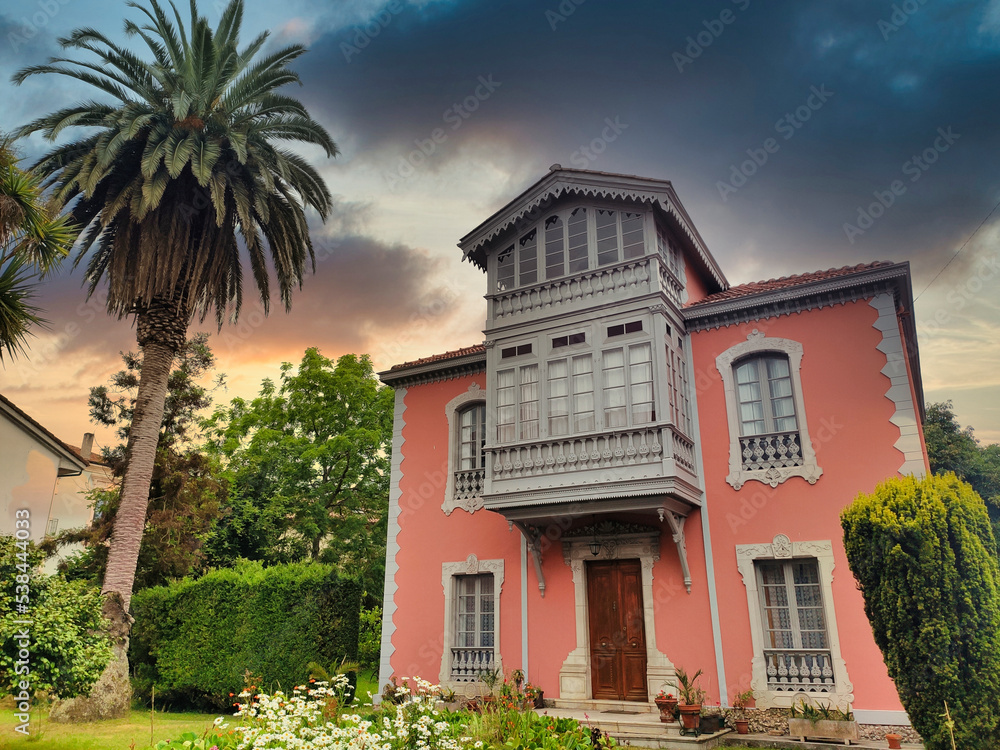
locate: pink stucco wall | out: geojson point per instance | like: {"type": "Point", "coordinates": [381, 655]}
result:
{"type": "Point", "coordinates": [848, 417]}
{"type": "Point", "coordinates": [427, 538]}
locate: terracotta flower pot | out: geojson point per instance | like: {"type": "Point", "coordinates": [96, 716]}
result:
{"type": "Point", "coordinates": [742, 726]}
{"type": "Point", "coordinates": [690, 715]}
{"type": "Point", "coordinates": [894, 740]}
{"type": "Point", "coordinates": [668, 707]}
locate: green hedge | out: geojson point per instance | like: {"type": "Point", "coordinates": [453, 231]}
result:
{"type": "Point", "coordinates": [195, 640]}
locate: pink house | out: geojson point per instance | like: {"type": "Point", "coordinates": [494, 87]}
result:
{"type": "Point", "coordinates": [642, 467]}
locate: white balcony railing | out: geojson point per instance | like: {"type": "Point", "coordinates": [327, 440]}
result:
{"type": "Point", "coordinates": [789, 670]}
{"type": "Point", "coordinates": [627, 447]}
{"type": "Point", "coordinates": [595, 284]}
{"type": "Point", "coordinates": [469, 484]}
{"type": "Point", "coordinates": [778, 449]}
{"type": "Point", "coordinates": [468, 663]}
{"type": "Point", "coordinates": [671, 286]}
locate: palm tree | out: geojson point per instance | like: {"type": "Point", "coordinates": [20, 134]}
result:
{"type": "Point", "coordinates": [32, 241]}
{"type": "Point", "coordinates": [167, 178]}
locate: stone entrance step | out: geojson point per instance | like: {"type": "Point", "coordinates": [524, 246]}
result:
{"type": "Point", "coordinates": [640, 727]}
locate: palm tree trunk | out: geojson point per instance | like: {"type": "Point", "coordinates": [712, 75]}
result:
{"type": "Point", "coordinates": [144, 434]}
{"type": "Point", "coordinates": [161, 330]}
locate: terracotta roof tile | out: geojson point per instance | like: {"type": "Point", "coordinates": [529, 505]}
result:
{"type": "Point", "coordinates": [95, 458]}
{"type": "Point", "coordinates": [772, 285]}
{"type": "Point", "coordinates": [456, 354]}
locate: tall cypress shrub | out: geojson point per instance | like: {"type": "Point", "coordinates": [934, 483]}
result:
{"type": "Point", "coordinates": [924, 556]}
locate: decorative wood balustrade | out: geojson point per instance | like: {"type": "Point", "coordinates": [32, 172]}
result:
{"type": "Point", "coordinates": [673, 288]}
{"type": "Point", "coordinates": [633, 276]}
{"type": "Point", "coordinates": [796, 670]}
{"type": "Point", "coordinates": [469, 484]}
{"type": "Point", "coordinates": [778, 449]}
{"type": "Point", "coordinates": [468, 663]}
{"type": "Point", "coordinates": [640, 445]}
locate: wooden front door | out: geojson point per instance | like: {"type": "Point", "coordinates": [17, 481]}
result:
{"type": "Point", "coordinates": [617, 632]}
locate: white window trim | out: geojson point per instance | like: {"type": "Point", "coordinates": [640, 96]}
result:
{"type": "Point", "coordinates": [758, 343]}
{"type": "Point", "coordinates": [782, 548]}
{"type": "Point", "coordinates": [452, 409]}
{"type": "Point", "coordinates": [471, 566]}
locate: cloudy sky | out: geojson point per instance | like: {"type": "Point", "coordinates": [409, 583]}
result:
{"type": "Point", "coordinates": [842, 105]}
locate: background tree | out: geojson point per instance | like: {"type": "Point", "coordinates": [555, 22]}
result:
{"type": "Point", "coordinates": [925, 560]}
{"type": "Point", "coordinates": [177, 162]}
{"type": "Point", "coordinates": [32, 241]}
{"type": "Point", "coordinates": [187, 494]}
{"type": "Point", "coordinates": [952, 448]}
{"type": "Point", "coordinates": [308, 464]}
{"type": "Point", "coordinates": [69, 647]}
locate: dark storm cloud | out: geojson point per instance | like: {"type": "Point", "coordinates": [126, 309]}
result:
{"type": "Point", "coordinates": [362, 289]}
{"type": "Point", "coordinates": [698, 86]}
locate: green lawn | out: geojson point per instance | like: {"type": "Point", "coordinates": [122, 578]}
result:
{"type": "Point", "coordinates": [119, 734]}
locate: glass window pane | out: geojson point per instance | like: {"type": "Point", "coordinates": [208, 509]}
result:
{"type": "Point", "coordinates": [607, 237]}
{"type": "Point", "coordinates": [615, 417]}
{"type": "Point", "coordinates": [505, 269]}
{"type": "Point", "coordinates": [527, 258]}
{"type": "Point", "coordinates": [577, 230]}
{"type": "Point", "coordinates": [555, 254]}
{"type": "Point", "coordinates": [747, 372]}
{"type": "Point", "coordinates": [781, 388]}
{"type": "Point", "coordinates": [777, 367]}
{"type": "Point", "coordinates": [632, 236]}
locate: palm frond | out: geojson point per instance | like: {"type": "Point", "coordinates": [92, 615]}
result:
{"type": "Point", "coordinates": [188, 159]}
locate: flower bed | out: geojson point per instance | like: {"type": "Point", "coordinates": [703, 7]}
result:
{"type": "Point", "coordinates": [317, 716]}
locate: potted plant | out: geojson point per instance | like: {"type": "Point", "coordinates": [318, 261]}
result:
{"type": "Point", "coordinates": [667, 703]}
{"type": "Point", "coordinates": [711, 719]}
{"type": "Point", "coordinates": [690, 697]}
{"type": "Point", "coordinates": [821, 722]}
{"type": "Point", "coordinates": [535, 695]}
{"type": "Point", "coordinates": [739, 714]}
{"type": "Point", "coordinates": [894, 740]}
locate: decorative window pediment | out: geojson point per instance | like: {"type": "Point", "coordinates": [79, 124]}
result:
{"type": "Point", "coordinates": [768, 431]}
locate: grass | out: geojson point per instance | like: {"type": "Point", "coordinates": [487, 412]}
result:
{"type": "Point", "coordinates": [119, 734]}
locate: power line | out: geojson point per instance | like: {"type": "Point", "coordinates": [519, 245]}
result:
{"type": "Point", "coordinates": [958, 251]}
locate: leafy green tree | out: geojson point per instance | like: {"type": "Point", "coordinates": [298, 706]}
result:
{"type": "Point", "coordinates": [68, 646]}
{"type": "Point", "coordinates": [925, 560]}
{"type": "Point", "coordinates": [33, 240]}
{"type": "Point", "coordinates": [952, 448]}
{"type": "Point", "coordinates": [187, 395]}
{"type": "Point", "coordinates": [181, 158]}
{"type": "Point", "coordinates": [308, 466]}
